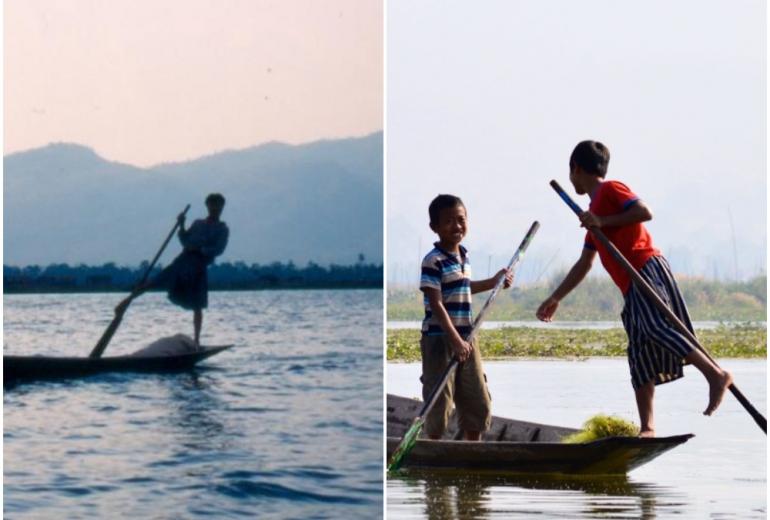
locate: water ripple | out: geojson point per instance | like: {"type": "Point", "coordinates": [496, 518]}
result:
{"type": "Point", "coordinates": [249, 488]}
{"type": "Point", "coordinates": [287, 425]}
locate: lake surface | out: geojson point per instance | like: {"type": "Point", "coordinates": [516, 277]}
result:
{"type": "Point", "coordinates": [720, 473]}
{"type": "Point", "coordinates": [288, 424]}
{"type": "Point", "coordinates": [582, 325]}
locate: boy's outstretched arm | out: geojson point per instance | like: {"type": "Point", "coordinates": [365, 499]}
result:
{"type": "Point", "coordinates": [462, 348]}
{"type": "Point", "coordinates": [489, 283]}
{"type": "Point", "coordinates": [579, 271]}
{"type": "Point", "coordinates": [635, 213]}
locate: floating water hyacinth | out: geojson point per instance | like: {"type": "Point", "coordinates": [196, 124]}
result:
{"type": "Point", "coordinates": [600, 426]}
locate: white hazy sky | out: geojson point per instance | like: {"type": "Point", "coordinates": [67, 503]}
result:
{"type": "Point", "coordinates": [486, 100]}
{"type": "Point", "coordinates": [150, 81]}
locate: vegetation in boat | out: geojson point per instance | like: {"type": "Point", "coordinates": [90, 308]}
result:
{"type": "Point", "coordinates": [601, 426]}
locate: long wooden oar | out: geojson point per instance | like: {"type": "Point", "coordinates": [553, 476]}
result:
{"type": "Point", "coordinates": [113, 326]}
{"type": "Point", "coordinates": [660, 304]}
{"type": "Point", "coordinates": [410, 438]}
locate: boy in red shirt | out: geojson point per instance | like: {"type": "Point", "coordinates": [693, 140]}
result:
{"type": "Point", "coordinates": [656, 350]}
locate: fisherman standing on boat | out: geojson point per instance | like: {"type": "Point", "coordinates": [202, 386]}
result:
{"type": "Point", "coordinates": [656, 350]}
{"type": "Point", "coordinates": [447, 287]}
{"type": "Point", "coordinates": [186, 278]}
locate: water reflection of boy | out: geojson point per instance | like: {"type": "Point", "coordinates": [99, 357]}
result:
{"type": "Point", "coordinates": [186, 278]}
{"type": "Point", "coordinates": [656, 350]}
{"type": "Point", "coordinates": [456, 497]}
{"type": "Point", "coordinates": [446, 284]}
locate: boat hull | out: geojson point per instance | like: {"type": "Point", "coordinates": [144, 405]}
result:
{"type": "Point", "coordinates": [28, 368]}
{"type": "Point", "coordinates": [522, 447]}
{"type": "Point", "coordinates": [610, 456]}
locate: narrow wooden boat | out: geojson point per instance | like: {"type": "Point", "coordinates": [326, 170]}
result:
{"type": "Point", "coordinates": [512, 446]}
{"type": "Point", "coordinates": [26, 368]}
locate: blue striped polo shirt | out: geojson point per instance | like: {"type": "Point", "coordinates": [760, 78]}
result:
{"type": "Point", "coordinates": [451, 275]}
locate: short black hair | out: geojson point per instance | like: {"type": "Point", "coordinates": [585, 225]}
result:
{"type": "Point", "coordinates": [592, 157]}
{"type": "Point", "coordinates": [216, 200]}
{"type": "Point", "coordinates": [442, 202]}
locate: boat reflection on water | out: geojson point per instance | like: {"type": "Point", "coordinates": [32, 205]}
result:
{"type": "Point", "coordinates": [193, 414]}
{"type": "Point", "coordinates": [450, 494]}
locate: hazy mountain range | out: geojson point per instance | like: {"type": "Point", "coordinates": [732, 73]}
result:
{"type": "Point", "coordinates": [319, 202]}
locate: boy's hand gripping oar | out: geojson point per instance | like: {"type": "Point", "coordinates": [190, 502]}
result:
{"type": "Point", "coordinates": [655, 299]}
{"type": "Point", "coordinates": [113, 326]}
{"type": "Point", "coordinates": [410, 438]}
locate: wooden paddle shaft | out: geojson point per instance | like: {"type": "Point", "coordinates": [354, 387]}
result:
{"type": "Point", "coordinates": [101, 345]}
{"type": "Point", "coordinates": [163, 247]}
{"type": "Point", "coordinates": [659, 303]}
{"type": "Point", "coordinates": [499, 285]}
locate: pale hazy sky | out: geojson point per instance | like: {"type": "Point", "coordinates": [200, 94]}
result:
{"type": "Point", "coordinates": [486, 100]}
{"type": "Point", "coordinates": [150, 81]}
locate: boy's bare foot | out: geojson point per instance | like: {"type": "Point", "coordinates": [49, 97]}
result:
{"type": "Point", "coordinates": [717, 387]}
{"type": "Point", "coordinates": [646, 434]}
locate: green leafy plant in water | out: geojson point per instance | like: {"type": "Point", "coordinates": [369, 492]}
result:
{"type": "Point", "coordinates": [601, 426]}
{"type": "Point", "coordinates": [743, 341]}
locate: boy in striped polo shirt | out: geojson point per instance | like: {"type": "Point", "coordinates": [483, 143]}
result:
{"type": "Point", "coordinates": [447, 288]}
{"type": "Point", "coordinates": [656, 350]}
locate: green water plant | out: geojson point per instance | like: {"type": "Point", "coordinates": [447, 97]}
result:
{"type": "Point", "coordinates": [747, 341]}
{"type": "Point", "coordinates": [600, 426]}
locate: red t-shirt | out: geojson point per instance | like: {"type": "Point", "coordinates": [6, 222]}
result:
{"type": "Point", "coordinates": [633, 241]}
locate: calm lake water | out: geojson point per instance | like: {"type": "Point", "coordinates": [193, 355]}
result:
{"type": "Point", "coordinates": [583, 325]}
{"type": "Point", "coordinates": [720, 474]}
{"type": "Point", "coordinates": [288, 424]}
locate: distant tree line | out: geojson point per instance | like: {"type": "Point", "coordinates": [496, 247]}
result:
{"type": "Point", "coordinates": [597, 298]}
{"type": "Point", "coordinates": [225, 276]}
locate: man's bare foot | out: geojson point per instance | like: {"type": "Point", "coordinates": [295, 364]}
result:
{"type": "Point", "coordinates": [646, 434]}
{"type": "Point", "coordinates": [717, 388]}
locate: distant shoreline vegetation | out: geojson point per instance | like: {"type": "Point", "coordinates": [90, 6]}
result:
{"type": "Point", "coordinates": [63, 278]}
{"type": "Point", "coordinates": [597, 299]}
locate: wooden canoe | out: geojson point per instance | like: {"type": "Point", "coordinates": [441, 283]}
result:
{"type": "Point", "coordinates": [27, 368]}
{"type": "Point", "coordinates": [512, 446]}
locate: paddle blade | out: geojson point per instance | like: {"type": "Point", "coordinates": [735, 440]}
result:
{"type": "Point", "coordinates": [406, 445]}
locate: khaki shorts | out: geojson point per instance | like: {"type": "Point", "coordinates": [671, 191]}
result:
{"type": "Point", "coordinates": [468, 388]}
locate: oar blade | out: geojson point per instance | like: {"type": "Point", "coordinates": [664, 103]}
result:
{"type": "Point", "coordinates": [406, 445]}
